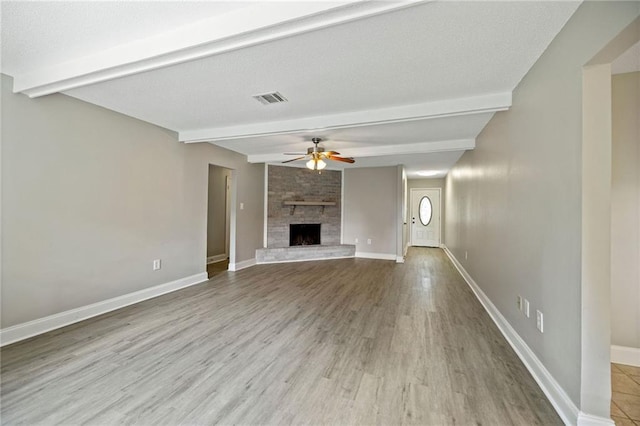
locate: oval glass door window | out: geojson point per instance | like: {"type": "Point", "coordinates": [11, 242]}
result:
{"type": "Point", "coordinates": [425, 211]}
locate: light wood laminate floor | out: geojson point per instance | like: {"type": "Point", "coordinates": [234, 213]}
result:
{"type": "Point", "coordinates": [350, 341]}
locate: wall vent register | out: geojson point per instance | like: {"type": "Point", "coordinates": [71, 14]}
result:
{"type": "Point", "coordinates": [270, 98]}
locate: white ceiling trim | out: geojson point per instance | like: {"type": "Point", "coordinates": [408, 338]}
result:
{"type": "Point", "coordinates": [264, 22]}
{"type": "Point", "coordinates": [446, 108]}
{"type": "Point", "coordinates": [377, 151]}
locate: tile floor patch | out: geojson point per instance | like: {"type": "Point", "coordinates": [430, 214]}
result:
{"type": "Point", "coordinates": [622, 421]}
{"type": "Point", "coordinates": [620, 382]}
{"type": "Point", "coordinates": [629, 404]}
{"type": "Point", "coordinates": [625, 399]}
{"type": "Point", "coordinates": [616, 411]}
{"type": "Point", "coordinates": [629, 369]}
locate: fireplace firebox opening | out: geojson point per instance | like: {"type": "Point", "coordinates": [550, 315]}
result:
{"type": "Point", "coordinates": [304, 234]}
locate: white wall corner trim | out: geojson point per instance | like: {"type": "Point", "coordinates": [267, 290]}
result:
{"type": "Point", "coordinates": [399, 259]}
{"type": "Point", "coordinates": [585, 419]}
{"type": "Point", "coordinates": [216, 258]}
{"type": "Point", "coordinates": [563, 405]}
{"type": "Point", "coordinates": [242, 265]}
{"type": "Point", "coordinates": [379, 256]}
{"type": "Point", "coordinates": [625, 355]}
{"type": "Point", "coordinates": [42, 325]}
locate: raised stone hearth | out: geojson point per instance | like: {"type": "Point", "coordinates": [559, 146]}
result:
{"type": "Point", "coordinates": [297, 253]}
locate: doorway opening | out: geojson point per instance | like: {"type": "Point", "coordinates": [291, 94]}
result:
{"type": "Point", "coordinates": [597, 226]}
{"type": "Point", "coordinates": [425, 217]}
{"type": "Point", "coordinates": [218, 219]}
{"type": "Point", "coordinates": [625, 238]}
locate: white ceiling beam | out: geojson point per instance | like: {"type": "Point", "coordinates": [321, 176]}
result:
{"type": "Point", "coordinates": [249, 26]}
{"type": "Point", "coordinates": [377, 151]}
{"type": "Point", "coordinates": [437, 109]}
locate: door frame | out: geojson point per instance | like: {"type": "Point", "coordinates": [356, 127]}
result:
{"type": "Point", "coordinates": [231, 196]}
{"type": "Point", "coordinates": [439, 213]}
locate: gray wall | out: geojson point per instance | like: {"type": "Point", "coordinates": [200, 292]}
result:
{"type": "Point", "coordinates": [294, 183]}
{"type": "Point", "coordinates": [216, 211]}
{"type": "Point", "coordinates": [90, 197]}
{"type": "Point", "coordinates": [370, 209]}
{"type": "Point", "coordinates": [625, 211]}
{"type": "Point", "coordinates": [514, 203]}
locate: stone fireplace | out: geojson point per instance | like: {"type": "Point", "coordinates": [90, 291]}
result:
{"type": "Point", "coordinates": [303, 200]}
{"type": "Point", "coordinates": [302, 196]}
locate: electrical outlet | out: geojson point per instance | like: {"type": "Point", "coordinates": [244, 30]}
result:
{"type": "Point", "coordinates": [540, 321]}
{"type": "Point", "coordinates": [157, 264]}
{"type": "Point", "coordinates": [466, 255]}
{"type": "Point", "coordinates": [526, 308]}
{"type": "Point", "coordinates": [356, 241]}
{"type": "Point", "coordinates": [519, 303]}
{"type": "Point", "coordinates": [369, 241]}
{"type": "Point", "coordinates": [241, 206]}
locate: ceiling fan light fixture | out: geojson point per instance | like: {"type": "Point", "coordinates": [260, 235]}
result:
{"type": "Point", "coordinates": [317, 155]}
{"type": "Point", "coordinates": [316, 164]}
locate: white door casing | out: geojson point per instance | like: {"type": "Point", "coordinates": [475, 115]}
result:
{"type": "Point", "coordinates": [227, 214]}
{"type": "Point", "coordinates": [425, 227]}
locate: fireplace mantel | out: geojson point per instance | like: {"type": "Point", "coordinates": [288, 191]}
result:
{"type": "Point", "coordinates": [309, 203]}
{"type": "Point", "coordinates": [294, 203]}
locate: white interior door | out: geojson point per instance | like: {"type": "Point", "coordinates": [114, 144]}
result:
{"type": "Point", "coordinates": [425, 217]}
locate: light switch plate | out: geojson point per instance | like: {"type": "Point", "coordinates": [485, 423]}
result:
{"type": "Point", "coordinates": [519, 302]}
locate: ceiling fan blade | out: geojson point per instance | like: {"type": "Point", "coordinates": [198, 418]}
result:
{"type": "Point", "coordinates": [343, 159]}
{"type": "Point", "coordinates": [295, 159]}
{"type": "Point", "coordinates": [330, 153]}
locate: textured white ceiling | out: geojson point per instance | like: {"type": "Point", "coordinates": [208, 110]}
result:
{"type": "Point", "coordinates": [439, 162]}
{"type": "Point", "coordinates": [434, 130]}
{"type": "Point", "coordinates": [39, 33]}
{"type": "Point", "coordinates": [431, 52]}
{"type": "Point", "coordinates": [434, 51]}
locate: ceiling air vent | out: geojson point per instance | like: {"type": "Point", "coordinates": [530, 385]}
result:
{"type": "Point", "coordinates": [270, 98]}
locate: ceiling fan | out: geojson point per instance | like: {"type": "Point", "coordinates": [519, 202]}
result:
{"type": "Point", "coordinates": [317, 154]}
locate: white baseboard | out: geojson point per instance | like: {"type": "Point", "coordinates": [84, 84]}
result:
{"type": "Point", "coordinates": [242, 265]}
{"type": "Point", "coordinates": [399, 259]}
{"type": "Point", "coordinates": [42, 325]}
{"type": "Point", "coordinates": [625, 355]}
{"type": "Point", "coordinates": [585, 419]}
{"type": "Point", "coordinates": [380, 256]}
{"type": "Point", "coordinates": [563, 405]}
{"type": "Point", "coordinates": [217, 258]}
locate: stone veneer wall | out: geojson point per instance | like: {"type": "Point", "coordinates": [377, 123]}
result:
{"type": "Point", "coordinates": [292, 183]}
